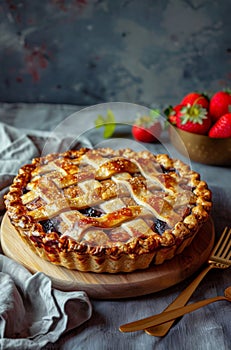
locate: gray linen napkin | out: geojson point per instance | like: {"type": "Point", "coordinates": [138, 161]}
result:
{"type": "Point", "coordinates": [32, 313]}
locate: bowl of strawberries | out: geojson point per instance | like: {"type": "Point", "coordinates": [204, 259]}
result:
{"type": "Point", "coordinates": [204, 126]}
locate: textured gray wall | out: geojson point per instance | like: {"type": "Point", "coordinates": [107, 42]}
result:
{"type": "Point", "coordinates": [91, 51]}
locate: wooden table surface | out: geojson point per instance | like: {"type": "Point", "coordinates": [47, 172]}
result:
{"type": "Point", "coordinates": [205, 329]}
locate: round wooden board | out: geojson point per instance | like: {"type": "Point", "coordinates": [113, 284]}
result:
{"type": "Point", "coordinates": [110, 286]}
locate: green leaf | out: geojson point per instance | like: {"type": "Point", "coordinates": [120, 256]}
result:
{"type": "Point", "coordinates": [168, 110]}
{"type": "Point", "coordinates": [109, 130]}
{"type": "Point", "coordinates": [107, 122]}
{"type": "Point", "coordinates": [110, 117]}
{"type": "Point", "coordinates": [228, 90]}
{"type": "Point", "coordinates": [109, 125]}
{"type": "Point", "coordinates": [154, 114]}
{"type": "Point", "coordinates": [99, 121]}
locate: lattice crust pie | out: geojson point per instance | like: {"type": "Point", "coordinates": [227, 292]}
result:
{"type": "Point", "coordinates": [103, 210]}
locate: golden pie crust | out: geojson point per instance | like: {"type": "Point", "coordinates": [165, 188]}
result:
{"type": "Point", "coordinates": [105, 210]}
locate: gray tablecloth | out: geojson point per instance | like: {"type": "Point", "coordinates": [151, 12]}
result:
{"type": "Point", "coordinates": [207, 328]}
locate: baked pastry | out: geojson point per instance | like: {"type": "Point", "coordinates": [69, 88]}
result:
{"type": "Point", "coordinates": [105, 210]}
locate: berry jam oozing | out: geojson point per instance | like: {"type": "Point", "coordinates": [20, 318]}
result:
{"type": "Point", "coordinates": [24, 190]}
{"type": "Point", "coordinates": [91, 212]}
{"type": "Point", "coordinates": [166, 171]}
{"type": "Point", "coordinates": [159, 226]}
{"type": "Point", "coordinates": [50, 225]}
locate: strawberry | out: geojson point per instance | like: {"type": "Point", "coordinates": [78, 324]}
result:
{"type": "Point", "coordinates": [147, 128]}
{"type": "Point", "coordinates": [220, 104]}
{"type": "Point", "coordinates": [171, 113]}
{"type": "Point", "coordinates": [222, 127]}
{"type": "Point", "coordinates": [194, 119]}
{"type": "Point", "coordinates": [196, 98]}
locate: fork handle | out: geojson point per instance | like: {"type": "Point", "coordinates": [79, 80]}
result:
{"type": "Point", "coordinates": [168, 315]}
{"type": "Point", "coordinates": [181, 300]}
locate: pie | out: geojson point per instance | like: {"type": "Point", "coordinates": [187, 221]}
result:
{"type": "Point", "coordinates": [105, 210]}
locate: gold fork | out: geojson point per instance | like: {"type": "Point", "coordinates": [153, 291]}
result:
{"type": "Point", "coordinates": [220, 258]}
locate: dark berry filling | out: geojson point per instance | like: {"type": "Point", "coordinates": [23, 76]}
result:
{"type": "Point", "coordinates": [159, 226]}
{"type": "Point", "coordinates": [91, 212]}
{"type": "Point", "coordinates": [24, 190]}
{"type": "Point", "coordinates": [167, 170]}
{"type": "Point", "coordinates": [50, 225]}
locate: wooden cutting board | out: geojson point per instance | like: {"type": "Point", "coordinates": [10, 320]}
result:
{"type": "Point", "coordinates": [110, 286]}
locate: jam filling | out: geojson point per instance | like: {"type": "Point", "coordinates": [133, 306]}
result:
{"type": "Point", "coordinates": [91, 212]}
{"type": "Point", "coordinates": [159, 226]}
{"type": "Point", "coordinates": [24, 190]}
{"type": "Point", "coordinates": [166, 171]}
{"type": "Point", "coordinates": [50, 225]}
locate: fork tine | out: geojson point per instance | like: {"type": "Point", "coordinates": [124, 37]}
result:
{"type": "Point", "coordinates": [225, 245]}
{"type": "Point", "coordinates": [217, 247]}
{"type": "Point", "coordinates": [228, 248]}
{"type": "Point", "coordinates": [221, 253]}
